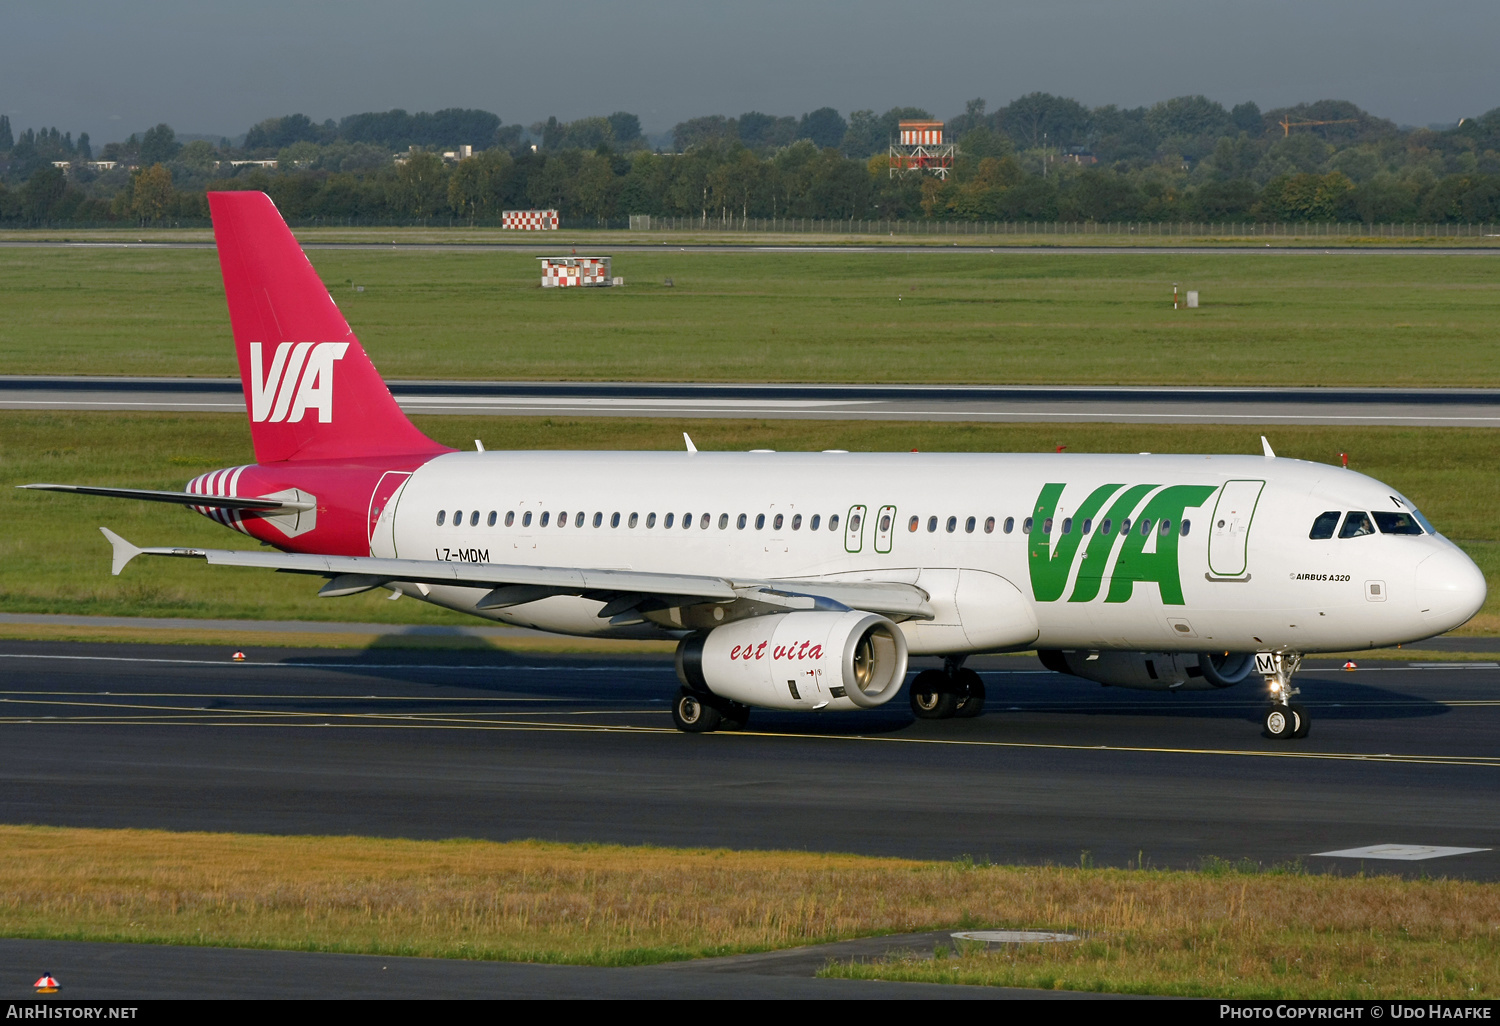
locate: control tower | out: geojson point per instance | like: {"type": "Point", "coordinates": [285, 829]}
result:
{"type": "Point", "coordinates": [922, 150]}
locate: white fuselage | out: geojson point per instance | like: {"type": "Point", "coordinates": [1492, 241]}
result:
{"type": "Point", "coordinates": [1245, 576]}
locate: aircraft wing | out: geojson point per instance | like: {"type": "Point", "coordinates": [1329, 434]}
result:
{"type": "Point", "coordinates": [623, 590]}
{"type": "Point", "coordinates": [259, 505]}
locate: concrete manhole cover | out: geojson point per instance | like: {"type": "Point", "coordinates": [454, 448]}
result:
{"type": "Point", "coordinates": [1015, 936]}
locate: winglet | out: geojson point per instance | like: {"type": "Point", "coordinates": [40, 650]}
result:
{"type": "Point", "coordinates": [1267, 446]}
{"type": "Point", "coordinates": [690, 446]}
{"type": "Point", "coordinates": [124, 551]}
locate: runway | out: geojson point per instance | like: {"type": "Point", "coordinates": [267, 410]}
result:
{"type": "Point", "coordinates": [1429, 407]}
{"type": "Point", "coordinates": [431, 745]}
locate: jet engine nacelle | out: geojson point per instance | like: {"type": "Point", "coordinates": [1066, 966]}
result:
{"type": "Point", "coordinates": [812, 660]}
{"type": "Point", "coordinates": [1154, 671]}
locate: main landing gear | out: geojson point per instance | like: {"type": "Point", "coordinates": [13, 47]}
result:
{"type": "Point", "coordinates": [950, 692]}
{"type": "Point", "coordinates": [697, 713]}
{"type": "Point", "coordinates": [1284, 719]}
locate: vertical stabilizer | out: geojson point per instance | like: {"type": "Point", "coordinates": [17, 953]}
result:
{"type": "Point", "coordinates": [310, 390]}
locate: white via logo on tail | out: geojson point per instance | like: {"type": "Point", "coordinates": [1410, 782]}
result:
{"type": "Point", "coordinates": [300, 378]}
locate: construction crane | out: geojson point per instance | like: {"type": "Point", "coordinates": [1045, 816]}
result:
{"type": "Point", "coordinates": [1287, 126]}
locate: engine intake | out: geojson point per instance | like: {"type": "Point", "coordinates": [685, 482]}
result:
{"type": "Point", "coordinates": [812, 660]}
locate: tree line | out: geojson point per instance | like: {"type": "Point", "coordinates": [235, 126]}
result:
{"type": "Point", "coordinates": [1039, 157]}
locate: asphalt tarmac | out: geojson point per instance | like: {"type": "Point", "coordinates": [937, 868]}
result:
{"type": "Point", "coordinates": [392, 742]}
{"type": "Point", "coordinates": [1437, 407]}
{"type": "Point", "coordinates": [402, 743]}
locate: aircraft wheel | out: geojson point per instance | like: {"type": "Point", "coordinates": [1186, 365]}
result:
{"type": "Point", "coordinates": [692, 714]}
{"type": "Point", "coordinates": [1281, 722]}
{"type": "Point", "coordinates": [970, 691]}
{"type": "Point", "coordinates": [933, 696]}
{"type": "Point", "coordinates": [1304, 722]}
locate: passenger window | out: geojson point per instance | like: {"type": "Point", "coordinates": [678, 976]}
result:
{"type": "Point", "coordinates": [723, 521]}
{"type": "Point", "coordinates": [474, 519]}
{"type": "Point", "coordinates": [1047, 526]}
{"type": "Point", "coordinates": [1010, 524]}
{"type": "Point", "coordinates": [952, 524]}
{"type": "Point", "coordinates": [760, 521]}
{"type": "Point", "coordinates": [854, 522]}
{"type": "Point", "coordinates": [510, 518]}
{"type": "Point", "coordinates": [989, 525]}
{"type": "Point", "coordinates": [1088, 525]}
{"type": "Point", "coordinates": [1067, 525]}
{"type": "Point", "coordinates": [1397, 523]}
{"type": "Point", "coordinates": [1104, 528]}
{"type": "Point", "coordinates": [526, 519]}
{"type": "Point", "coordinates": [1125, 526]}
{"type": "Point", "coordinates": [562, 519]}
{"type": "Point", "coordinates": [969, 525]}
{"type": "Point", "coordinates": [635, 518]}
{"type": "Point", "coordinates": [442, 516]}
{"type": "Point", "coordinates": [1187, 525]}
{"type": "Point", "coordinates": [614, 520]}
{"type": "Point", "coordinates": [740, 521]}
{"type": "Point", "coordinates": [490, 520]}
{"type": "Point", "coordinates": [796, 521]}
{"type": "Point", "coordinates": [885, 523]}
{"type": "Point", "coordinates": [578, 520]}
{"type": "Point", "coordinates": [931, 524]}
{"type": "Point", "coordinates": [687, 521]}
{"type": "Point", "coordinates": [598, 519]}
{"type": "Point", "coordinates": [911, 525]}
{"type": "Point", "coordinates": [1324, 526]}
{"type": "Point", "coordinates": [458, 518]}
{"type": "Point", "coordinates": [545, 517]}
{"type": "Point", "coordinates": [1164, 528]}
{"type": "Point", "coordinates": [650, 521]}
{"type": "Point", "coordinates": [812, 525]}
{"type": "Point", "coordinates": [1145, 526]}
{"type": "Point", "coordinates": [1026, 526]}
{"type": "Point", "coordinates": [1356, 525]}
{"type": "Point", "coordinates": [703, 521]}
{"type": "Point", "coordinates": [833, 522]}
{"type": "Point", "coordinates": [667, 522]}
{"type": "Point", "coordinates": [776, 523]}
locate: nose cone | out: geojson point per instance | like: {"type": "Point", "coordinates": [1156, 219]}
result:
{"type": "Point", "coordinates": [1450, 589]}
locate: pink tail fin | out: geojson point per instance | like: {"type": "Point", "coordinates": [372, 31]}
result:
{"type": "Point", "coordinates": [310, 390]}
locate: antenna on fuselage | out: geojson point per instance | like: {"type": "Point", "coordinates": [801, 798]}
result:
{"type": "Point", "coordinates": [1267, 447]}
{"type": "Point", "coordinates": [690, 446]}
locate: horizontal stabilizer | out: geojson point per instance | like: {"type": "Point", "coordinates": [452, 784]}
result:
{"type": "Point", "coordinates": [183, 498]}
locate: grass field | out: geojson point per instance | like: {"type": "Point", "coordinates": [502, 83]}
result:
{"type": "Point", "coordinates": [1226, 931]}
{"type": "Point", "coordinates": [926, 317]}
{"type": "Point", "coordinates": [53, 560]}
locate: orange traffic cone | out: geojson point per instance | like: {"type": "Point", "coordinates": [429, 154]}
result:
{"type": "Point", "coordinates": [46, 985]}
{"type": "Point", "coordinates": [1350, 665]}
{"type": "Point", "coordinates": [238, 657]}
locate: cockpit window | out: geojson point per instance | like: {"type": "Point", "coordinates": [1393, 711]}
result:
{"type": "Point", "coordinates": [1397, 523]}
{"type": "Point", "coordinates": [1324, 526]}
{"type": "Point", "coordinates": [1356, 525]}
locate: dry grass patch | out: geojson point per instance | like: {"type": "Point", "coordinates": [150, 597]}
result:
{"type": "Point", "coordinates": [1224, 931]}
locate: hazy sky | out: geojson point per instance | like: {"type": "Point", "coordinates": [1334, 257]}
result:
{"type": "Point", "coordinates": [110, 68]}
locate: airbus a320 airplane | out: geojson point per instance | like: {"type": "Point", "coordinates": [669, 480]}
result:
{"type": "Point", "coordinates": [805, 580]}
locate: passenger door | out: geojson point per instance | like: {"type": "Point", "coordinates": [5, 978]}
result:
{"type": "Point", "coordinates": [1229, 533]}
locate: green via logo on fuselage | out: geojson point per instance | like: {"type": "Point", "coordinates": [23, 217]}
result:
{"type": "Point", "coordinates": [1051, 566]}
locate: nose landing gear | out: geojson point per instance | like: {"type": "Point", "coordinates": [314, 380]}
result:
{"type": "Point", "coordinates": [1284, 719]}
{"type": "Point", "coordinates": [952, 692]}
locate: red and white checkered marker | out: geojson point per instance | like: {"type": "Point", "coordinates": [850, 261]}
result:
{"type": "Point", "coordinates": [529, 220]}
{"type": "Point", "coordinates": [1350, 665]}
{"type": "Point", "coordinates": [46, 985]}
{"type": "Point", "coordinates": [238, 657]}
